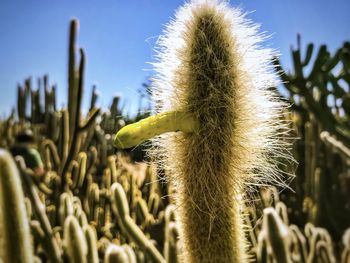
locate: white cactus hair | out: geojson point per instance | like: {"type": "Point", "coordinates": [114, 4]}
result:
{"type": "Point", "coordinates": [253, 135]}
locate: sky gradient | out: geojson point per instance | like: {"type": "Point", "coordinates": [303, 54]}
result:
{"type": "Point", "coordinates": [119, 37]}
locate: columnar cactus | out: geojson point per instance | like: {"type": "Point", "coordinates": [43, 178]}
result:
{"type": "Point", "coordinates": [14, 225]}
{"type": "Point", "coordinates": [91, 240]}
{"type": "Point", "coordinates": [121, 209]}
{"type": "Point", "coordinates": [277, 236]}
{"type": "Point", "coordinates": [213, 74]}
{"type": "Point", "coordinates": [49, 242]}
{"type": "Point", "coordinates": [74, 241]}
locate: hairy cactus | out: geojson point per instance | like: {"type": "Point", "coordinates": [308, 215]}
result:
{"type": "Point", "coordinates": [15, 233]}
{"type": "Point", "coordinates": [212, 74]}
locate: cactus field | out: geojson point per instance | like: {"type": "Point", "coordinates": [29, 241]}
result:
{"type": "Point", "coordinates": [226, 169]}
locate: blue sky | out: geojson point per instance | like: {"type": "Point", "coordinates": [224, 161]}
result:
{"type": "Point", "coordinates": [119, 36]}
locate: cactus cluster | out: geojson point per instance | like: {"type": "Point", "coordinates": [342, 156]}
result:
{"type": "Point", "coordinates": [86, 205]}
{"type": "Point", "coordinates": [94, 204]}
{"type": "Point", "coordinates": [319, 92]}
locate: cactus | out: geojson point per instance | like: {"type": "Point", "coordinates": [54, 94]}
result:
{"type": "Point", "coordinates": [75, 94]}
{"type": "Point", "coordinates": [74, 241]}
{"type": "Point", "coordinates": [130, 253]}
{"type": "Point", "coordinates": [91, 239]}
{"type": "Point", "coordinates": [49, 242]}
{"type": "Point", "coordinates": [261, 249]}
{"type": "Point", "coordinates": [65, 207]}
{"type": "Point", "coordinates": [203, 180]}
{"type": "Point", "coordinates": [115, 254]}
{"type": "Point", "coordinates": [81, 172]}
{"type": "Point", "coordinates": [15, 233]}
{"type": "Point", "coordinates": [171, 251]}
{"type": "Point", "coordinates": [121, 209]}
{"type": "Point", "coordinates": [345, 256]}
{"type": "Point", "coordinates": [277, 236]}
{"type": "Point", "coordinates": [205, 76]}
{"type": "Point", "coordinates": [299, 242]}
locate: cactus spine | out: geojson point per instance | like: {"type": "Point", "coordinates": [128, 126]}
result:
{"type": "Point", "coordinates": [15, 232]}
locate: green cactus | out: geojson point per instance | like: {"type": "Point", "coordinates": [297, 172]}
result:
{"type": "Point", "coordinates": [75, 94]}
{"type": "Point", "coordinates": [91, 239]}
{"type": "Point", "coordinates": [281, 210]}
{"type": "Point", "coordinates": [81, 172]}
{"type": "Point", "coordinates": [143, 216]}
{"type": "Point", "coordinates": [15, 233]}
{"type": "Point", "coordinates": [171, 247]}
{"type": "Point", "coordinates": [300, 246]}
{"type": "Point", "coordinates": [65, 207]}
{"type": "Point", "coordinates": [115, 254]}
{"type": "Point", "coordinates": [262, 255]}
{"type": "Point", "coordinates": [74, 241]}
{"type": "Point", "coordinates": [121, 209]}
{"type": "Point", "coordinates": [153, 204]}
{"type": "Point", "coordinates": [94, 97]}
{"type": "Point", "coordinates": [73, 97]}
{"type": "Point", "coordinates": [49, 151]}
{"type": "Point", "coordinates": [131, 253]}
{"type": "Point", "coordinates": [49, 241]}
{"type": "Point", "coordinates": [277, 236]}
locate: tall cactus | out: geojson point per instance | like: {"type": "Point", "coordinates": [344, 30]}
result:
{"type": "Point", "coordinates": [211, 70]}
{"type": "Point", "coordinates": [15, 232]}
